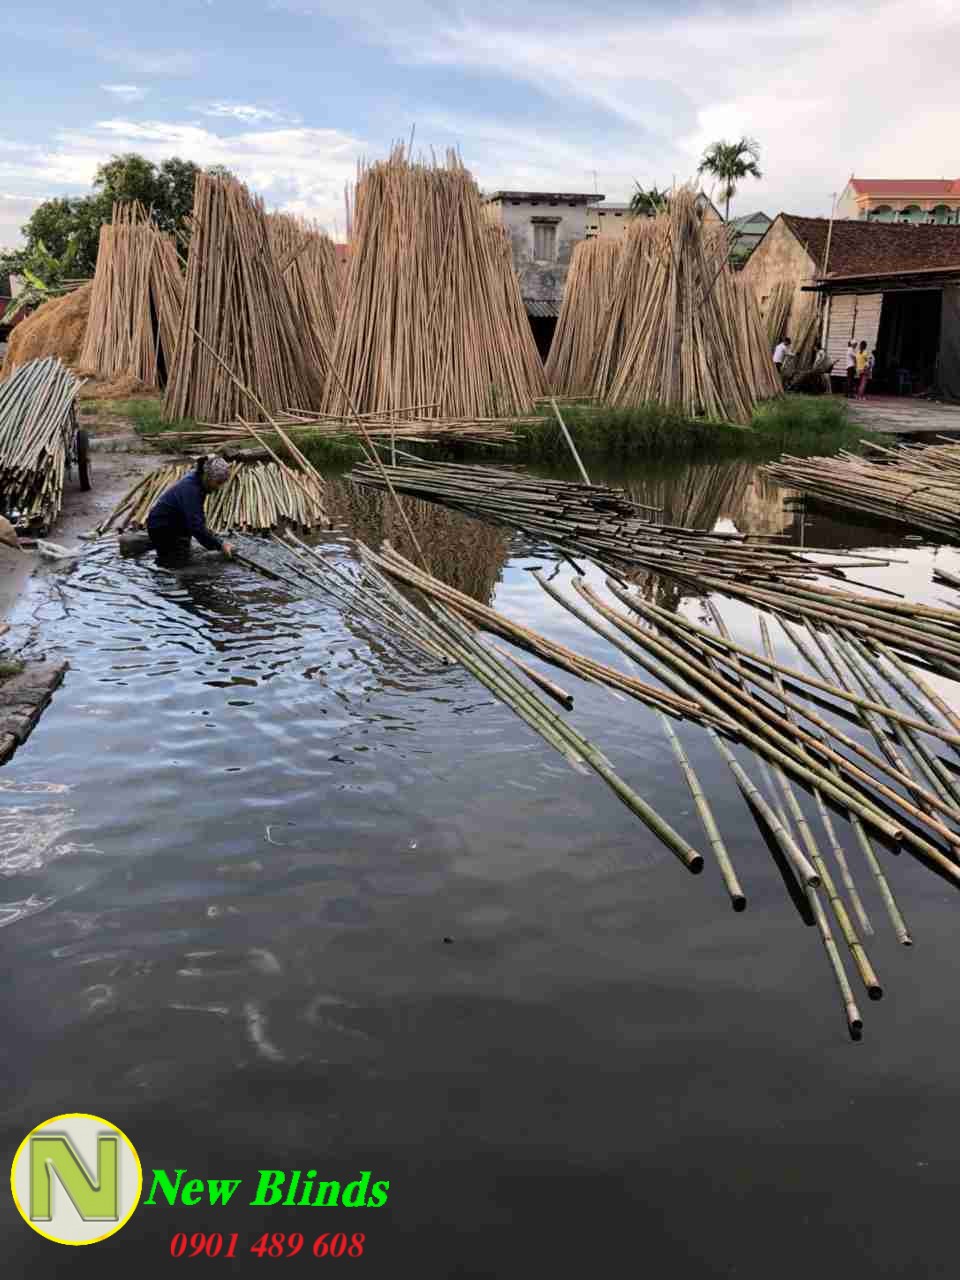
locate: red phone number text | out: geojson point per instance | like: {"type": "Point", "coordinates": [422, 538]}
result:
{"type": "Point", "coordinates": [277, 1244]}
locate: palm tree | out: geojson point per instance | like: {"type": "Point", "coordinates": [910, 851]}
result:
{"type": "Point", "coordinates": [730, 162]}
{"type": "Point", "coordinates": [645, 203]}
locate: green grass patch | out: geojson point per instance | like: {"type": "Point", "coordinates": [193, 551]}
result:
{"type": "Point", "coordinates": [146, 415]}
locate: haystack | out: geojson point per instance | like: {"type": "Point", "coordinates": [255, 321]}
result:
{"type": "Point", "coordinates": [137, 300]}
{"type": "Point", "coordinates": [583, 316]}
{"type": "Point", "coordinates": [237, 303]}
{"type": "Point", "coordinates": [55, 329]}
{"type": "Point", "coordinates": [424, 319]}
{"type": "Point", "coordinates": [307, 262]}
{"type": "Point", "coordinates": [683, 331]}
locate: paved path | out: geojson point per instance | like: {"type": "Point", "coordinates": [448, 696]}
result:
{"type": "Point", "coordinates": [901, 415]}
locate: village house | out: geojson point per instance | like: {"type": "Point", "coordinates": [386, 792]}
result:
{"type": "Point", "coordinates": [895, 287]}
{"type": "Point", "coordinates": [935, 200]}
{"type": "Point", "coordinates": [748, 232]}
{"type": "Point", "coordinates": [610, 221]}
{"type": "Point", "coordinates": [544, 227]}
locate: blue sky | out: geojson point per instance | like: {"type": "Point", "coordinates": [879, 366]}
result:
{"type": "Point", "coordinates": [536, 93]}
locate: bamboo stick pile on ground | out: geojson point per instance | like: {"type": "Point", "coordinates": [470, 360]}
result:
{"type": "Point", "coordinates": [236, 307]}
{"type": "Point", "coordinates": [683, 331]}
{"type": "Point", "coordinates": [583, 316]}
{"type": "Point", "coordinates": [520, 335]}
{"type": "Point", "coordinates": [423, 318]}
{"type": "Point", "coordinates": [258, 497]}
{"type": "Point", "coordinates": [37, 417]}
{"type": "Point", "coordinates": [918, 486]}
{"type": "Point", "coordinates": [136, 302]}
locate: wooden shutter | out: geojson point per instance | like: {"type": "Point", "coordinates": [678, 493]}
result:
{"type": "Point", "coordinates": [853, 316]}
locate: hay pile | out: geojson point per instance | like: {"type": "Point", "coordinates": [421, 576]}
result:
{"type": "Point", "coordinates": [424, 318]}
{"type": "Point", "coordinates": [583, 316]}
{"type": "Point", "coordinates": [136, 302]}
{"type": "Point", "coordinates": [237, 302]}
{"type": "Point", "coordinates": [55, 329]}
{"type": "Point", "coordinates": [683, 331]}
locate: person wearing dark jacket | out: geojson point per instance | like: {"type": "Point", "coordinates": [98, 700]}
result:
{"type": "Point", "coordinates": [178, 515]}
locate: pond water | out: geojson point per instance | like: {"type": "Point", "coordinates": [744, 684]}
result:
{"type": "Point", "coordinates": [275, 893]}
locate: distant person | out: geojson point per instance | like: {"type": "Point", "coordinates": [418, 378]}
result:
{"type": "Point", "coordinates": [863, 371]}
{"type": "Point", "coordinates": [851, 368]}
{"type": "Point", "coordinates": [780, 353]}
{"type": "Point", "coordinates": [178, 515]}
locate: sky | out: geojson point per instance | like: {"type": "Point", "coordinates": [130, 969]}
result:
{"type": "Point", "coordinates": [535, 94]}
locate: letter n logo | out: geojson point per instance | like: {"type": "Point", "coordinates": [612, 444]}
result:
{"type": "Point", "coordinates": [76, 1179]}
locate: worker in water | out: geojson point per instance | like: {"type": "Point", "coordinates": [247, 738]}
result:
{"type": "Point", "coordinates": [177, 515]}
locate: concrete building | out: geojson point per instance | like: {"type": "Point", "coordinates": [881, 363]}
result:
{"type": "Point", "coordinates": [920, 200]}
{"type": "Point", "coordinates": [544, 227]}
{"type": "Point", "coordinates": [895, 287]}
{"type": "Point", "coordinates": [609, 221]}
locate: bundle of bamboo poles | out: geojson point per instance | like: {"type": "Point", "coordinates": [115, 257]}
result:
{"type": "Point", "coordinates": [898, 793]}
{"type": "Point", "coordinates": [776, 312]}
{"type": "Point", "coordinates": [257, 497]}
{"type": "Point", "coordinates": [424, 317]}
{"type": "Point", "coordinates": [683, 331]}
{"type": "Point", "coordinates": [304, 427]}
{"type": "Point", "coordinates": [600, 523]}
{"type": "Point", "coordinates": [520, 335]}
{"type": "Point", "coordinates": [918, 486]}
{"type": "Point", "coordinates": [136, 302]}
{"type": "Point", "coordinates": [37, 416]}
{"type": "Point", "coordinates": [583, 316]}
{"type": "Point", "coordinates": [239, 332]}
{"type": "Point", "coordinates": [307, 263]}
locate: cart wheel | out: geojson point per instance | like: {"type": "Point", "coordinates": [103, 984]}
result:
{"type": "Point", "coordinates": [83, 459]}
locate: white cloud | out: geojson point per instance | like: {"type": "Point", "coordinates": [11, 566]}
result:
{"type": "Point", "coordinates": [125, 92]}
{"type": "Point", "coordinates": [816, 84]}
{"type": "Point", "coordinates": [300, 168]}
{"type": "Point", "coordinates": [243, 113]}
{"type": "Point", "coordinates": [14, 212]}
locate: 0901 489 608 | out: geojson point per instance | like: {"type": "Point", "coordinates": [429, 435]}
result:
{"type": "Point", "coordinates": [277, 1244]}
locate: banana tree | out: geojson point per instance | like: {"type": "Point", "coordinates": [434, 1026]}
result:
{"type": "Point", "coordinates": [43, 276]}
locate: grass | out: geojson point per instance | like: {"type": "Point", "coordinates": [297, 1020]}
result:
{"type": "Point", "coordinates": [798, 424]}
{"type": "Point", "coordinates": [10, 667]}
{"type": "Point", "coordinates": [143, 412]}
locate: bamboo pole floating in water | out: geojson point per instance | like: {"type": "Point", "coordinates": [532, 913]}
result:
{"type": "Point", "coordinates": [737, 896]}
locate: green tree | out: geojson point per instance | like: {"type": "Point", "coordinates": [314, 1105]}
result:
{"type": "Point", "coordinates": [730, 163]}
{"type": "Point", "coordinates": [644, 203]}
{"type": "Point", "coordinates": [165, 190]}
{"type": "Point", "coordinates": [42, 272]}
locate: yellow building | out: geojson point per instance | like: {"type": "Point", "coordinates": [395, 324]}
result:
{"type": "Point", "coordinates": [930, 200]}
{"type": "Point", "coordinates": [608, 220]}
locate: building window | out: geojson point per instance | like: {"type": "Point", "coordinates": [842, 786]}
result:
{"type": "Point", "coordinates": [544, 241]}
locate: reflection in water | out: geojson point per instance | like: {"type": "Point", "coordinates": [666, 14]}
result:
{"type": "Point", "coordinates": [465, 553]}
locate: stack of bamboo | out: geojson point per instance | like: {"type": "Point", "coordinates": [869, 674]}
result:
{"type": "Point", "coordinates": [583, 316]}
{"type": "Point", "coordinates": [136, 302]}
{"type": "Point", "coordinates": [307, 262]}
{"type": "Point", "coordinates": [900, 793]}
{"type": "Point", "coordinates": [36, 420]}
{"type": "Point", "coordinates": [914, 485]}
{"type": "Point", "coordinates": [256, 498]}
{"type": "Point", "coordinates": [520, 335]}
{"type": "Point", "coordinates": [239, 345]}
{"type": "Point", "coordinates": [424, 318]}
{"type": "Point", "coordinates": [683, 331]}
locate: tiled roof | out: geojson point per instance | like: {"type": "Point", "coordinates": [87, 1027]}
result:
{"type": "Point", "coordinates": [921, 188]}
{"type": "Point", "coordinates": [859, 248]}
{"type": "Point", "coordinates": [549, 197]}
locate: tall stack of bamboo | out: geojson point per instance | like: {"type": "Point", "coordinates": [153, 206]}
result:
{"type": "Point", "coordinates": [36, 421]}
{"type": "Point", "coordinates": [136, 301]}
{"type": "Point", "coordinates": [424, 319]}
{"type": "Point", "coordinates": [307, 262]}
{"type": "Point", "coordinates": [239, 324]}
{"type": "Point", "coordinates": [683, 331]}
{"type": "Point", "coordinates": [520, 332]}
{"type": "Point", "coordinates": [583, 316]}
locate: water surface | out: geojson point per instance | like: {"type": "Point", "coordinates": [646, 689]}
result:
{"type": "Point", "coordinates": [276, 893]}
